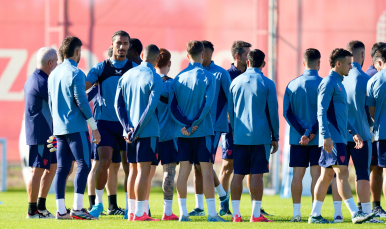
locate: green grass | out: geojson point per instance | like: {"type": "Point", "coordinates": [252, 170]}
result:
{"type": "Point", "coordinates": [14, 209]}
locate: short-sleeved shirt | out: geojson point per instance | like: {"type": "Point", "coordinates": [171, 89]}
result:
{"type": "Point", "coordinates": [38, 120]}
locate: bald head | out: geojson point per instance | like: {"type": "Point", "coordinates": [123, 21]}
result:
{"type": "Point", "coordinates": [151, 54]}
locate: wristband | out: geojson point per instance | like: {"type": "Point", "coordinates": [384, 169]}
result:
{"type": "Point", "coordinates": [91, 122]}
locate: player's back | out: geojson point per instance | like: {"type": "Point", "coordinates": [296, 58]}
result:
{"type": "Point", "coordinates": [166, 123]}
{"type": "Point", "coordinates": [376, 97]}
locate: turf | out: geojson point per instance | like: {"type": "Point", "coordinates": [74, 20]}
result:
{"type": "Point", "coordinates": [14, 209]}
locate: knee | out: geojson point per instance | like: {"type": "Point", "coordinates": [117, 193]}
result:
{"type": "Point", "coordinates": [343, 175]}
{"type": "Point", "coordinates": [328, 176]}
{"type": "Point", "coordinates": [228, 169]}
{"type": "Point", "coordinates": [62, 171]}
{"type": "Point", "coordinates": [104, 164]}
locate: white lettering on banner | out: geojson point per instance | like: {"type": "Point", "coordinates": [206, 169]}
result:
{"type": "Point", "coordinates": [17, 60]}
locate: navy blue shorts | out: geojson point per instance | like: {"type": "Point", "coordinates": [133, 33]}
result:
{"type": "Point", "coordinates": [167, 152]}
{"type": "Point", "coordinates": [338, 156]}
{"type": "Point", "coordinates": [116, 154]}
{"type": "Point", "coordinates": [195, 150]}
{"type": "Point", "coordinates": [374, 157]}
{"type": "Point", "coordinates": [304, 156]}
{"type": "Point", "coordinates": [215, 140]}
{"type": "Point", "coordinates": [251, 159]}
{"type": "Point", "coordinates": [361, 159]}
{"type": "Point", "coordinates": [227, 144]}
{"type": "Point", "coordinates": [381, 153]}
{"type": "Point", "coordinates": [143, 150]}
{"type": "Point", "coordinates": [111, 134]}
{"type": "Point", "coordinates": [41, 157]}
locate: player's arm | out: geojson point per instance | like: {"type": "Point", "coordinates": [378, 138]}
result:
{"type": "Point", "coordinates": [226, 83]}
{"type": "Point", "coordinates": [273, 115]}
{"type": "Point", "coordinates": [120, 109]}
{"type": "Point", "coordinates": [154, 97]}
{"type": "Point", "coordinates": [93, 74]}
{"type": "Point", "coordinates": [174, 110]}
{"type": "Point", "coordinates": [325, 93]}
{"type": "Point", "coordinates": [91, 94]}
{"type": "Point", "coordinates": [370, 99]}
{"type": "Point", "coordinates": [231, 110]}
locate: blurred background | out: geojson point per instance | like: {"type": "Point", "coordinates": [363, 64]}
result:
{"type": "Point", "coordinates": [282, 29]}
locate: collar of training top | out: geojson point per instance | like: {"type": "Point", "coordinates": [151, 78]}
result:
{"type": "Point", "coordinates": [334, 74]}
{"type": "Point", "coordinates": [234, 69]}
{"type": "Point", "coordinates": [194, 64]}
{"type": "Point", "coordinates": [308, 72]}
{"type": "Point", "coordinates": [41, 72]}
{"type": "Point", "coordinates": [356, 65]}
{"type": "Point", "coordinates": [69, 61]}
{"type": "Point", "coordinates": [256, 70]}
{"type": "Point", "coordinates": [147, 64]}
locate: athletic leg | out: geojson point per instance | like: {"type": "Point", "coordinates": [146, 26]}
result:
{"type": "Point", "coordinates": [91, 183]}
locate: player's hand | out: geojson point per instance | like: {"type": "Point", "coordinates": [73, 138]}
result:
{"type": "Point", "coordinates": [127, 139]}
{"type": "Point", "coordinates": [274, 147]}
{"type": "Point", "coordinates": [194, 128]}
{"type": "Point", "coordinates": [53, 143]}
{"type": "Point", "coordinates": [358, 141]}
{"type": "Point", "coordinates": [312, 136]}
{"type": "Point", "coordinates": [328, 145]}
{"type": "Point", "coordinates": [372, 137]}
{"type": "Point", "coordinates": [304, 140]}
{"type": "Point", "coordinates": [185, 132]}
{"type": "Point", "coordinates": [97, 136]}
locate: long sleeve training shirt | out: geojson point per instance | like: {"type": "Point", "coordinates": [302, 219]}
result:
{"type": "Point", "coordinates": [191, 98]}
{"type": "Point", "coordinates": [136, 99]}
{"type": "Point", "coordinates": [219, 109]}
{"type": "Point", "coordinates": [166, 123]}
{"type": "Point", "coordinates": [355, 85]}
{"type": "Point", "coordinates": [301, 105]}
{"type": "Point", "coordinates": [68, 99]}
{"type": "Point", "coordinates": [333, 110]}
{"type": "Point", "coordinates": [253, 109]}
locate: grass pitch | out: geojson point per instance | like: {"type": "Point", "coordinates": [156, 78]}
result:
{"type": "Point", "coordinates": [14, 209]}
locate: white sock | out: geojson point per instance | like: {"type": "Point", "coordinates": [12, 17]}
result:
{"type": "Point", "coordinates": [200, 201]}
{"type": "Point", "coordinates": [78, 201]}
{"type": "Point", "coordinates": [99, 196]}
{"type": "Point", "coordinates": [182, 205]}
{"type": "Point", "coordinates": [220, 191]}
{"type": "Point", "coordinates": [168, 204]}
{"type": "Point", "coordinates": [352, 207]}
{"type": "Point", "coordinates": [131, 206]}
{"type": "Point", "coordinates": [127, 201]}
{"type": "Point", "coordinates": [236, 208]}
{"type": "Point", "coordinates": [297, 210]}
{"type": "Point", "coordinates": [338, 208]}
{"type": "Point", "coordinates": [317, 209]}
{"type": "Point", "coordinates": [366, 208]}
{"type": "Point", "coordinates": [139, 208]}
{"type": "Point", "coordinates": [146, 207]}
{"type": "Point", "coordinates": [211, 204]}
{"type": "Point", "coordinates": [256, 206]}
{"type": "Point", "coordinates": [60, 206]}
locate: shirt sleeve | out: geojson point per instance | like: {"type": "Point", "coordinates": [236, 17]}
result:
{"type": "Point", "coordinates": [231, 110]}
{"type": "Point", "coordinates": [43, 90]}
{"type": "Point", "coordinates": [120, 108]}
{"type": "Point", "coordinates": [174, 110]}
{"type": "Point", "coordinates": [370, 99]}
{"type": "Point", "coordinates": [351, 129]}
{"type": "Point", "coordinates": [80, 94]}
{"type": "Point", "coordinates": [91, 95]}
{"type": "Point", "coordinates": [151, 106]}
{"type": "Point", "coordinates": [290, 116]}
{"type": "Point", "coordinates": [273, 111]}
{"type": "Point", "coordinates": [95, 72]}
{"type": "Point", "coordinates": [226, 83]}
{"type": "Point", "coordinates": [325, 93]}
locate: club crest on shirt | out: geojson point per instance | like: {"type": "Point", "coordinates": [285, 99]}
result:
{"type": "Point", "coordinates": [118, 72]}
{"type": "Point", "coordinates": [342, 158]}
{"type": "Point", "coordinates": [340, 89]}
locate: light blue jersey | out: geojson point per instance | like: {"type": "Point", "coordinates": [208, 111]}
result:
{"type": "Point", "coordinates": [166, 123]}
{"type": "Point", "coordinates": [108, 82]}
{"type": "Point", "coordinates": [136, 99]}
{"type": "Point", "coordinates": [68, 99]}
{"type": "Point", "coordinates": [219, 109]}
{"type": "Point", "coordinates": [376, 95]}
{"type": "Point", "coordinates": [253, 109]}
{"type": "Point", "coordinates": [355, 84]}
{"type": "Point", "coordinates": [190, 101]}
{"type": "Point", "coordinates": [333, 110]}
{"type": "Point", "coordinates": [301, 105]}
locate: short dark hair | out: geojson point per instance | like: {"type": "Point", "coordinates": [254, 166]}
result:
{"type": "Point", "coordinates": [164, 58]}
{"type": "Point", "coordinates": [60, 54]}
{"type": "Point", "coordinates": [136, 44]}
{"type": "Point", "coordinates": [355, 44]}
{"type": "Point", "coordinates": [208, 45]}
{"type": "Point", "coordinates": [311, 55]}
{"type": "Point", "coordinates": [376, 47]}
{"type": "Point", "coordinates": [110, 52]}
{"type": "Point", "coordinates": [120, 33]}
{"type": "Point", "coordinates": [380, 54]}
{"type": "Point", "coordinates": [256, 58]}
{"type": "Point", "coordinates": [237, 48]}
{"type": "Point", "coordinates": [338, 54]}
{"type": "Point", "coordinates": [69, 45]}
{"type": "Point", "coordinates": [194, 47]}
{"type": "Point", "coordinates": [152, 51]}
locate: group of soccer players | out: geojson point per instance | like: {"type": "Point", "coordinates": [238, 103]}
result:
{"type": "Point", "coordinates": [142, 117]}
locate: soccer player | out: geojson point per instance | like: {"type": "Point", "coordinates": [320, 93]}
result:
{"type": "Point", "coordinates": [107, 73]}
{"type": "Point", "coordinates": [136, 99]}
{"type": "Point", "coordinates": [299, 109]}
{"type": "Point", "coordinates": [70, 114]}
{"type": "Point", "coordinates": [38, 127]}
{"type": "Point", "coordinates": [220, 125]}
{"type": "Point", "coordinates": [192, 95]}
{"type": "Point", "coordinates": [333, 126]}
{"type": "Point", "coordinates": [167, 142]}
{"type": "Point", "coordinates": [375, 97]}
{"type": "Point", "coordinates": [135, 50]}
{"type": "Point", "coordinates": [253, 114]}
{"type": "Point", "coordinates": [376, 171]}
